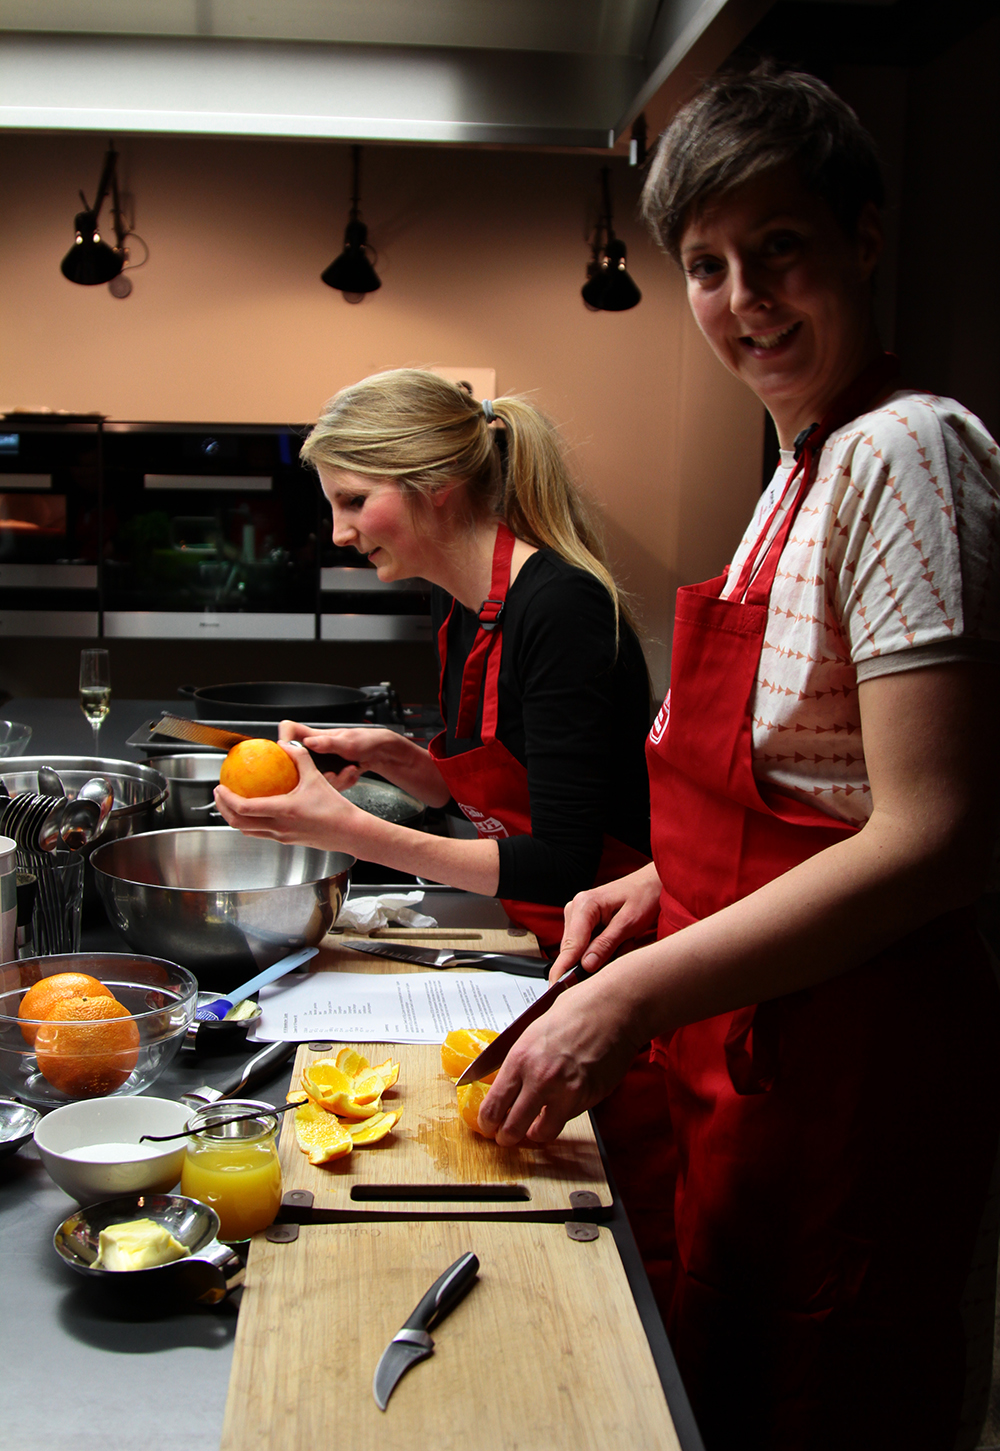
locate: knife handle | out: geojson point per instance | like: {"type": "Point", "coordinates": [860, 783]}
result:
{"type": "Point", "coordinates": [261, 1066]}
{"type": "Point", "coordinates": [445, 1293]}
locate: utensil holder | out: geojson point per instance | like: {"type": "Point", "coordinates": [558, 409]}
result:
{"type": "Point", "coordinates": [55, 924]}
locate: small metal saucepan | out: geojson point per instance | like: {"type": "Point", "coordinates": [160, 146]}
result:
{"type": "Point", "coordinates": [205, 1277]}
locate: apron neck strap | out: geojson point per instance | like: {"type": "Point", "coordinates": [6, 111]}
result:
{"type": "Point", "coordinates": [761, 563]}
{"type": "Point", "coordinates": [490, 615]}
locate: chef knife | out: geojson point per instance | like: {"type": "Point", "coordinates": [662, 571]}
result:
{"type": "Point", "coordinates": [180, 728]}
{"type": "Point", "coordinates": [412, 1343]}
{"type": "Point", "coordinates": [494, 1053]}
{"type": "Point", "coordinates": [445, 957]}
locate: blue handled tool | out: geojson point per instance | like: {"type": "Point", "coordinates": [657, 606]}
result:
{"type": "Point", "coordinates": [213, 1012]}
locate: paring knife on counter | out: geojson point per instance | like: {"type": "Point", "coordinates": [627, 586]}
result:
{"type": "Point", "coordinates": [181, 728]}
{"type": "Point", "coordinates": [494, 1053]}
{"type": "Point", "coordinates": [445, 957]}
{"type": "Point", "coordinates": [412, 1343]}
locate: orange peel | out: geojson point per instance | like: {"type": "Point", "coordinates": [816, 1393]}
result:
{"type": "Point", "coordinates": [370, 1130]}
{"type": "Point", "coordinates": [321, 1135]}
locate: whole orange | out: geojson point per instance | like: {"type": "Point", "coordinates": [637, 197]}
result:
{"type": "Point", "coordinates": [44, 994]}
{"type": "Point", "coordinates": [259, 768]}
{"type": "Point", "coordinates": [88, 1046]}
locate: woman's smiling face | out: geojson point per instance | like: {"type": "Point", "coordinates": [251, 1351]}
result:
{"type": "Point", "coordinates": [783, 294]}
{"type": "Point", "coordinates": [375, 517]}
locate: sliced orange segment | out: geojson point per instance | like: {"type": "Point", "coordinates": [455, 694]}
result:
{"type": "Point", "coordinates": [470, 1096]}
{"type": "Point", "coordinates": [461, 1046]}
{"type": "Point", "coordinates": [296, 1095]}
{"type": "Point", "coordinates": [321, 1135]}
{"type": "Point", "coordinates": [351, 1062]}
{"type": "Point", "coordinates": [370, 1130]}
{"type": "Point", "coordinates": [388, 1072]}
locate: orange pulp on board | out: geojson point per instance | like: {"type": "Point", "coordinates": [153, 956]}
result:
{"type": "Point", "coordinates": [259, 768]}
{"type": "Point", "coordinates": [461, 1046]}
{"type": "Point", "coordinates": [348, 1086]}
{"type": "Point", "coordinates": [470, 1096]}
{"type": "Point", "coordinates": [43, 995]}
{"type": "Point", "coordinates": [88, 1046]}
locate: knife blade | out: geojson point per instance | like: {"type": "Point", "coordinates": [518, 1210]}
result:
{"type": "Point", "coordinates": [494, 1053]}
{"type": "Point", "coordinates": [445, 957]}
{"type": "Point", "coordinates": [412, 1343]}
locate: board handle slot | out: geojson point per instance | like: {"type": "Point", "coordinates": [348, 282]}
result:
{"type": "Point", "coordinates": [429, 1193]}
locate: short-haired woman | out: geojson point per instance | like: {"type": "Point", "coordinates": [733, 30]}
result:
{"type": "Point", "coordinates": [544, 688]}
{"type": "Point", "coordinates": [823, 779]}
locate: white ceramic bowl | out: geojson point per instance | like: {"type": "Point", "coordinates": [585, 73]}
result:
{"type": "Point", "coordinates": [96, 1121]}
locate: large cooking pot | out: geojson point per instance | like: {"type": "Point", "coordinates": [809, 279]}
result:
{"type": "Point", "coordinates": [140, 791]}
{"type": "Point", "coordinates": [278, 700]}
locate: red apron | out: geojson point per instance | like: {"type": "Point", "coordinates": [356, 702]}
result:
{"type": "Point", "coordinates": [834, 1145]}
{"type": "Point", "coordinates": [488, 783]}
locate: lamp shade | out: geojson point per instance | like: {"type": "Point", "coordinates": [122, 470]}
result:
{"type": "Point", "coordinates": [352, 272]}
{"type": "Point", "coordinates": [620, 292]}
{"type": "Point", "coordinates": [90, 261]}
{"type": "Point", "coordinates": [592, 290]}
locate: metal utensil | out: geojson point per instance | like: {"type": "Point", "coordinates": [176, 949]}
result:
{"type": "Point", "coordinates": [84, 817]}
{"type": "Point", "coordinates": [446, 957]}
{"type": "Point", "coordinates": [237, 1118]}
{"type": "Point", "coordinates": [412, 1343]}
{"type": "Point", "coordinates": [255, 1070]}
{"type": "Point", "coordinates": [494, 1053]}
{"type": "Point", "coordinates": [49, 783]}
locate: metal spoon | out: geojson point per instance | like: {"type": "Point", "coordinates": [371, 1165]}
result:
{"type": "Point", "coordinates": [50, 782]}
{"type": "Point", "coordinates": [85, 816]}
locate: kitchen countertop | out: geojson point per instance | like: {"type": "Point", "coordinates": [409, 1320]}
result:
{"type": "Point", "coordinates": [78, 1372]}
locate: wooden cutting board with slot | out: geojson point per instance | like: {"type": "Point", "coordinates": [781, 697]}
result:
{"type": "Point", "coordinates": [546, 1350]}
{"type": "Point", "coordinates": [434, 1164]}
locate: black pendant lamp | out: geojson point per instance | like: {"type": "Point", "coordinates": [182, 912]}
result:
{"type": "Point", "coordinates": [352, 273]}
{"type": "Point", "coordinates": [608, 287]}
{"type": "Point", "coordinates": [91, 261]}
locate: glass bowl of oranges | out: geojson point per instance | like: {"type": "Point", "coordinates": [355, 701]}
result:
{"type": "Point", "coordinates": [89, 1024]}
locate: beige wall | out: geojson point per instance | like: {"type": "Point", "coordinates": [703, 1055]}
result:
{"type": "Point", "coordinates": [481, 255]}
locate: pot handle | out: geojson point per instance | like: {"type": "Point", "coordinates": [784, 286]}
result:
{"type": "Point", "coordinates": [188, 691]}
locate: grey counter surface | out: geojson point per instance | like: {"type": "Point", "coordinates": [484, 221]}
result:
{"type": "Point", "coordinates": [75, 1371]}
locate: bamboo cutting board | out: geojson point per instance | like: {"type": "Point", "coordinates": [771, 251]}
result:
{"type": "Point", "coordinates": [434, 1164]}
{"type": "Point", "coordinates": [545, 1352]}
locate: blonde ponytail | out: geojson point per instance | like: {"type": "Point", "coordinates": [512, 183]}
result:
{"type": "Point", "coordinates": [426, 433]}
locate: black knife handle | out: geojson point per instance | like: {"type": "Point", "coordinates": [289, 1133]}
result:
{"type": "Point", "coordinates": [328, 760]}
{"type": "Point", "coordinates": [445, 1293]}
{"type": "Point", "coordinates": [261, 1066]}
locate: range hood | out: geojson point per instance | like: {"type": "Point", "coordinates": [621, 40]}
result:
{"type": "Point", "coordinates": [558, 73]}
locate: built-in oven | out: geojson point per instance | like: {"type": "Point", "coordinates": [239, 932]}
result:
{"type": "Point", "coordinates": [49, 527]}
{"type": "Point", "coordinates": [356, 605]}
{"type": "Point", "coordinates": [211, 532]}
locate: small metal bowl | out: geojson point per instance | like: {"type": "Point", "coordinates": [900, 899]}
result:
{"type": "Point", "coordinates": [217, 1035]}
{"type": "Point", "coordinates": [206, 1277]}
{"type": "Point", "coordinates": [17, 1124]}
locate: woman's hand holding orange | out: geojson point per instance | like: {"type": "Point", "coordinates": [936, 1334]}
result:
{"type": "Point", "coordinates": [314, 814]}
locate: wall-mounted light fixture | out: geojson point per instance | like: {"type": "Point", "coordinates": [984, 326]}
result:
{"type": "Point", "coordinates": [91, 261]}
{"type": "Point", "coordinates": [608, 287]}
{"type": "Point", "coordinates": [352, 273]}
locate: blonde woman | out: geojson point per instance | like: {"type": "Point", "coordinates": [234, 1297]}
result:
{"type": "Point", "coordinates": [544, 689]}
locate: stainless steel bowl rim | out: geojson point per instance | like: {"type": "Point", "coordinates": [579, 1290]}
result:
{"type": "Point", "coordinates": [16, 1127]}
{"type": "Point", "coordinates": [132, 1204]}
{"type": "Point", "coordinates": [212, 891]}
{"type": "Point", "coordinates": [188, 998]}
{"type": "Point", "coordinates": [98, 766]}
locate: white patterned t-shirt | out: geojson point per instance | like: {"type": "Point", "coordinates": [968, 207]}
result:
{"type": "Point", "coordinates": [893, 563]}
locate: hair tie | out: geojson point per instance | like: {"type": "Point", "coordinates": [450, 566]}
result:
{"type": "Point", "coordinates": [488, 413]}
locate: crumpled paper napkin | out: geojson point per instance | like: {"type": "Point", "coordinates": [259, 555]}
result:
{"type": "Point", "coordinates": [365, 914]}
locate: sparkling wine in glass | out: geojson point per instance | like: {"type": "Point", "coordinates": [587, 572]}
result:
{"type": "Point", "coordinates": [95, 688]}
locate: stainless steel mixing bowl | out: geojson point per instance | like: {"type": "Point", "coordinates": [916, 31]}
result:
{"type": "Point", "coordinates": [222, 904]}
{"type": "Point", "coordinates": [140, 791]}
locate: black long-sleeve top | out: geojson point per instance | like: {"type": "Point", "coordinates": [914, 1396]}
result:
{"type": "Point", "coordinates": [574, 711]}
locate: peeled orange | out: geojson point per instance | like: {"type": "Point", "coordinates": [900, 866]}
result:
{"type": "Point", "coordinates": [43, 995]}
{"type": "Point", "coordinates": [461, 1046]}
{"type": "Point", "coordinates": [470, 1096]}
{"type": "Point", "coordinates": [87, 1046]}
{"type": "Point", "coordinates": [259, 768]}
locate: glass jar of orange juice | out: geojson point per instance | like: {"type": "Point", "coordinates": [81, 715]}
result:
{"type": "Point", "coordinates": [232, 1166]}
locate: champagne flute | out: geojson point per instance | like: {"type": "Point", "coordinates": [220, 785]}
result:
{"type": "Point", "coordinates": [95, 688]}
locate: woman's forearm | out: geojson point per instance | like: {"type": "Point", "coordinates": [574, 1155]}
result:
{"type": "Point", "coordinates": [472, 866]}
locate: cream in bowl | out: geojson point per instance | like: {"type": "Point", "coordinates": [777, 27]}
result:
{"type": "Point", "coordinates": [92, 1150]}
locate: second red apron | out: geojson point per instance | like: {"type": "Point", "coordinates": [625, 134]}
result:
{"type": "Point", "coordinates": [826, 1139]}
